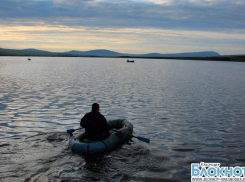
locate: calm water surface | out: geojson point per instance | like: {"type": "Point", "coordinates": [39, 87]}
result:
{"type": "Point", "coordinates": [193, 111]}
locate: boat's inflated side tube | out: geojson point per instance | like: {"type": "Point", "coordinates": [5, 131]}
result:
{"type": "Point", "coordinates": [106, 145]}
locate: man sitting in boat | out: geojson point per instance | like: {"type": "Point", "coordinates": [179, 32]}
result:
{"type": "Point", "coordinates": [95, 124]}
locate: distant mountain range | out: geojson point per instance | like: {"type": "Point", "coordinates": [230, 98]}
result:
{"type": "Point", "coordinates": [101, 53]}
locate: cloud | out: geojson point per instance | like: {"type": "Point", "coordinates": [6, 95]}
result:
{"type": "Point", "coordinates": [140, 26]}
{"type": "Point", "coordinates": [191, 14]}
{"type": "Point", "coordinates": [137, 40]}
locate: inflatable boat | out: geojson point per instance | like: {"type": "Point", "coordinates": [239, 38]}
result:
{"type": "Point", "coordinates": [121, 131]}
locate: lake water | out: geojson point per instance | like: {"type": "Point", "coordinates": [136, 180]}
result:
{"type": "Point", "coordinates": [193, 111]}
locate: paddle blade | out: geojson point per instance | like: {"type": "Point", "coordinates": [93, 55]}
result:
{"type": "Point", "coordinates": [146, 140]}
{"type": "Point", "coordinates": [70, 131]}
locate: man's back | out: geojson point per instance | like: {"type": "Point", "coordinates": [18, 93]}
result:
{"type": "Point", "coordinates": [95, 124]}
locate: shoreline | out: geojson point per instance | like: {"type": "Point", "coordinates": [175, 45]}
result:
{"type": "Point", "coordinates": [221, 58]}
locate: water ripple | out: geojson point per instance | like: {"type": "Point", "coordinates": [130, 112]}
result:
{"type": "Point", "coordinates": [192, 112]}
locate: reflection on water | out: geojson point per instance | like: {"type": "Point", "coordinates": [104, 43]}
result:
{"type": "Point", "coordinates": [193, 111]}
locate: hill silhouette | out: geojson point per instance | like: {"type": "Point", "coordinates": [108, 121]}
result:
{"type": "Point", "coordinates": [205, 55]}
{"type": "Point", "coordinates": [101, 53]}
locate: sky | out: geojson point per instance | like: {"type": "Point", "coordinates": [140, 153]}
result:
{"type": "Point", "coordinates": [126, 26]}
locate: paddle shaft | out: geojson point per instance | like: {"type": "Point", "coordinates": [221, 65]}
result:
{"type": "Point", "coordinates": [139, 138]}
{"type": "Point", "coordinates": [72, 130]}
{"type": "Point", "coordinates": [126, 134]}
{"type": "Point", "coordinates": [78, 129]}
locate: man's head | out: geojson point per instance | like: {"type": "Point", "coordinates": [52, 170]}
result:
{"type": "Point", "coordinates": [95, 107]}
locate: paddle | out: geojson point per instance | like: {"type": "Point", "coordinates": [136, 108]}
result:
{"type": "Point", "coordinates": [70, 131]}
{"type": "Point", "coordinates": [146, 140]}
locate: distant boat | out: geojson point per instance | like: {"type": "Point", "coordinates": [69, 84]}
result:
{"type": "Point", "coordinates": [29, 59]}
{"type": "Point", "coordinates": [130, 61]}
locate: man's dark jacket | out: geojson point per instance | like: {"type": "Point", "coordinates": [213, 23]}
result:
{"type": "Point", "coordinates": [95, 125]}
